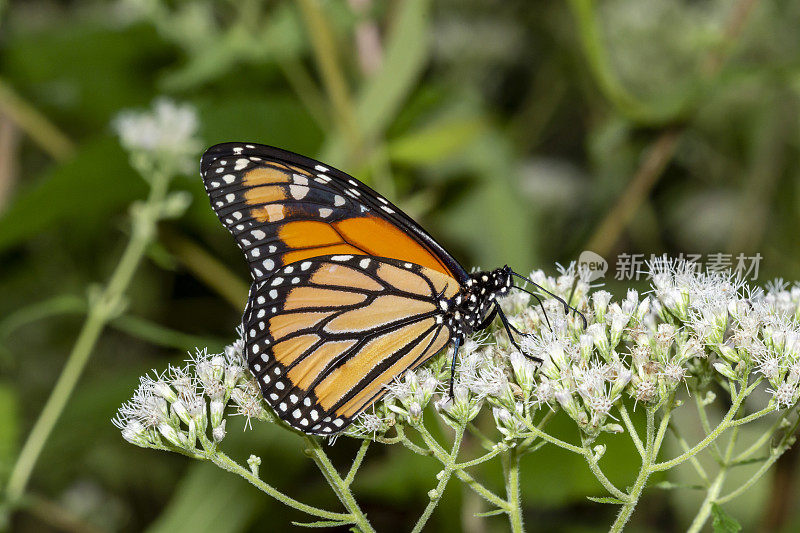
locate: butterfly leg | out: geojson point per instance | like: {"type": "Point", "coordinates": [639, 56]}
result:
{"type": "Point", "coordinates": [456, 345]}
{"type": "Point", "coordinates": [509, 328]}
{"type": "Point", "coordinates": [488, 320]}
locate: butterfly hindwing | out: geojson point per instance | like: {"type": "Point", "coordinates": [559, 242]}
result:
{"type": "Point", "coordinates": [282, 208]}
{"type": "Point", "coordinates": [325, 335]}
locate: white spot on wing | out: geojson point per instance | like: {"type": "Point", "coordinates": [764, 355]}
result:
{"type": "Point", "coordinates": [298, 191]}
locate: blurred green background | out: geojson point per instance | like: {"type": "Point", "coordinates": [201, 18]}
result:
{"type": "Point", "coordinates": [515, 131]}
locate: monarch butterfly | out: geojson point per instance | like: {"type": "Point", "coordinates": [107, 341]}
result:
{"type": "Point", "coordinates": [348, 291]}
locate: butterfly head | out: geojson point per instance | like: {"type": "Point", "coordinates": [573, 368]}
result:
{"type": "Point", "coordinates": [469, 308]}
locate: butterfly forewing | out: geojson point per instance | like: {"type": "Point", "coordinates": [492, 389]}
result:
{"type": "Point", "coordinates": [283, 208]}
{"type": "Point", "coordinates": [325, 335]}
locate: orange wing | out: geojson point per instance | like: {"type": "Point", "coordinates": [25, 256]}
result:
{"type": "Point", "coordinates": [325, 335]}
{"type": "Point", "coordinates": [283, 208]}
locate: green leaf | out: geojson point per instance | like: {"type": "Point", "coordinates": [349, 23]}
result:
{"type": "Point", "coordinates": [9, 427]}
{"type": "Point", "coordinates": [81, 73]}
{"type": "Point", "coordinates": [669, 485]}
{"type": "Point", "coordinates": [751, 461]}
{"type": "Point", "coordinates": [321, 523]}
{"type": "Point", "coordinates": [406, 55]}
{"type": "Point", "coordinates": [93, 186]}
{"type": "Point", "coordinates": [57, 305]}
{"type": "Point", "coordinates": [435, 142]}
{"type": "Point", "coordinates": [723, 522]}
{"type": "Point", "coordinates": [606, 499]}
{"type": "Point", "coordinates": [490, 513]}
{"type": "Point", "coordinates": [159, 335]}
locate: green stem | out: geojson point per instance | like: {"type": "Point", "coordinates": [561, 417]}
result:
{"type": "Point", "coordinates": [481, 491]}
{"type": "Point", "coordinates": [497, 450]}
{"type": "Point", "coordinates": [754, 416]}
{"type": "Point", "coordinates": [695, 463]}
{"type": "Point", "coordinates": [102, 308]}
{"type": "Point", "coordinates": [634, 435]}
{"type": "Point", "coordinates": [450, 466]}
{"type": "Point", "coordinates": [536, 432]}
{"type": "Point", "coordinates": [715, 488]}
{"type": "Point", "coordinates": [338, 485]}
{"type": "Point", "coordinates": [774, 456]}
{"type": "Point", "coordinates": [765, 436]}
{"type": "Point", "coordinates": [724, 424]}
{"type": "Point", "coordinates": [485, 441]}
{"type": "Point", "coordinates": [641, 479]}
{"type": "Point", "coordinates": [527, 445]}
{"type": "Point", "coordinates": [584, 12]}
{"type": "Point", "coordinates": [514, 509]}
{"type": "Point", "coordinates": [703, 415]}
{"type": "Point", "coordinates": [362, 451]}
{"type": "Point", "coordinates": [324, 44]}
{"type": "Point", "coordinates": [600, 475]}
{"type": "Point", "coordinates": [226, 463]}
{"type": "Point", "coordinates": [36, 125]}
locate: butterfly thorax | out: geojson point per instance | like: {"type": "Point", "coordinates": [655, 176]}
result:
{"type": "Point", "coordinates": [466, 311]}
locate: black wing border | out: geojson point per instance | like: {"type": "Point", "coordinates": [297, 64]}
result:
{"type": "Point", "coordinates": [371, 199]}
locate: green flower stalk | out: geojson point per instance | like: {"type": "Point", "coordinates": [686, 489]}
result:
{"type": "Point", "coordinates": [673, 349]}
{"type": "Point", "coordinates": [162, 143]}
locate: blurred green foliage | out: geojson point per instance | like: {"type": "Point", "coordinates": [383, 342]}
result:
{"type": "Point", "coordinates": [517, 132]}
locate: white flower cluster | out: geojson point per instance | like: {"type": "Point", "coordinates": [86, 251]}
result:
{"type": "Point", "coordinates": [694, 328]}
{"type": "Point", "coordinates": [188, 403]}
{"type": "Point", "coordinates": [168, 130]}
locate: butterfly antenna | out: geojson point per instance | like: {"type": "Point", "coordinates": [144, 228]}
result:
{"type": "Point", "coordinates": [567, 307]}
{"type": "Point", "coordinates": [541, 304]}
{"type": "Point", "coordinates": [572, 290]}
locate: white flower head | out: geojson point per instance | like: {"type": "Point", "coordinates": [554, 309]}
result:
{"type": "Point", "coordinates": [168, 129]}
{"type": "Point", "coordinates": [368, 425]}
{"type": "Point", "coordinates": [785, 394]}
{"type": "Point", "coordinates": [249, 403]}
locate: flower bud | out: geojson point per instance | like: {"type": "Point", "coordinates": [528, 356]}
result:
{"type": "Point", "coordinates": [586, 346]}
{"type": "Point", "coordinates": [165, 391]}
{"type": "Point", "coordinates": [135, 433]}
{"type": "Point", "coordinates": [175, 438]}
{"type": "Point", "coordinates": [217, 413]}
{"type": "Point", "coordinates": [415, 412]}
{"type": "Point", "coordinates": [192, 435]}
{"type": "Point", "coordinates": [179, 409]}
{"type": "Point", "coordinates": [218, 433]}
{"type": "Point", "coordinates": [598, 334]}
{"type": "Point", "coordinates": [725, 369]}
{"type": "Point", "coordinates": [727, 353]}
{"type": "Point", "coordinates": [643, 309]}
{"type": "Point", "coordinates": [600, 301]}
{"type": "Point", "coordinates": [523, 370]}
{"type": "Point", "coordinates": [232, 375]}
{"type": "Point", "coordinates": [254, 462]}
